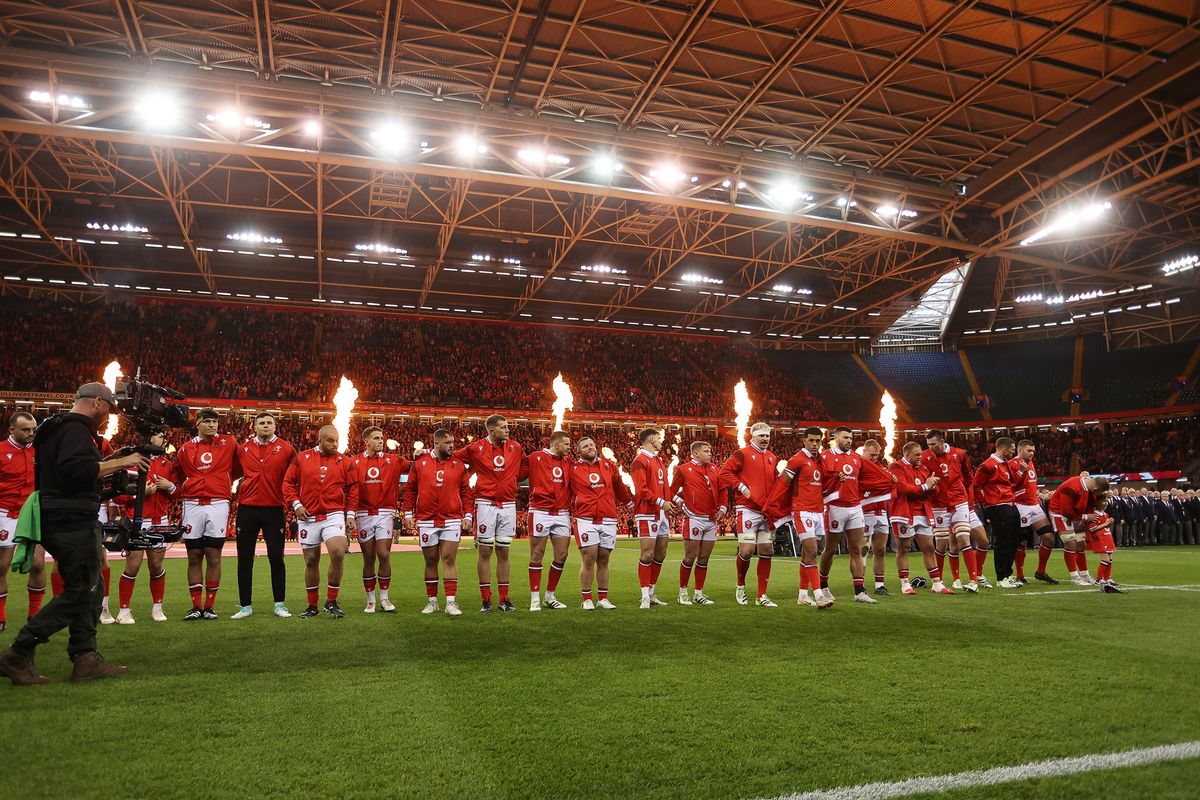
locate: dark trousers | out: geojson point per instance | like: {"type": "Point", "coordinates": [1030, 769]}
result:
{"type": "Point", "coordinates": [270, 521]}
{"type": "Point", "coordinates": [77, 554]}
{"type": "Point", "coordinates": [1006, 533]}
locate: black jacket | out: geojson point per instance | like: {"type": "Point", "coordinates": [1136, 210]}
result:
{"type": "Point", "coordinates": [1164, 512]}
{"type": "Point", "coordinates": [66, 471]}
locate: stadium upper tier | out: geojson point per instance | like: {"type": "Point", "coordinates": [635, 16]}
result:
{"type": "Point", "coordinates": [262, 353]}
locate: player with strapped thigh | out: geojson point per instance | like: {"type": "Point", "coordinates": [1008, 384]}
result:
{"type": "Point", "coordinates": [500, 463]}
{"type": "Point", "coordinates": [877, 483]}
{"type": "Point", "coordinates": [315, 488]}
{"type": "Point", "coordinates": [750, 474]}
{"type": "Point", "coordinates": [951, 501]}
{"type": "Point", "coordinates": [16, 484]}
{"type": "Point", "coordinates": [652, 503]}
{"type": "Point", "coordinates": [205, 467]}
{"type": "Point", "coordinates": [696, 491]}
{"type": "Point", "coordinates": [910, 514]}
{"type": "Point", "coordinates": [549, 517]}
{"type": "Point", "coordinates": [374, 498]}
{"type": "Point", "coordinates": [154, 512]}
{"type": "Point", "coordinates": [437, 500]}
{"type": "Point", "coordinates": [596, 491]}
{"type": "Point", "coordinates": [1035, 525]}
{"type": "Point", "coordinates": [264, 459]}
{"type": "Point", "coordinates": [1100, 541]}
{"type": "Point", "coordinates": [1072, 505]}
{"type": "Point", "coordinates": [840, 468]}
{"type": "Point", "coordinates": [799, 487]}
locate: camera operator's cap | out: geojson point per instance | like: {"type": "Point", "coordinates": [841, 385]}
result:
{"type": "Point", "coordinates": [97, 390]}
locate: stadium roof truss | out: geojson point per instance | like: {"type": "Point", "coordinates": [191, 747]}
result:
{"type": "Point", "coordinates": [800, 173]}
{"type": "Point", "coordinates": [926, 322]}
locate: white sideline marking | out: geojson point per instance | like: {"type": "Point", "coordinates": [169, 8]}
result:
{"type": "Point", "coordinates": [1133, 587]}
{"type": "Point", "coordinates": [1053, 768]}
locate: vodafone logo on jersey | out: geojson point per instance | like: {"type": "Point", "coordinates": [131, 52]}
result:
{"type": "Point", "coordinates": [660, 476]}
{"type": "Point", "coordinates": [373, 472]}
{"type": "Point", "coordinates": [206, 457]}
{"type": "Point", "coordinates": [440, 476]}
{"type": "Point", "coordinates": [557, 472]}
{"type": "Point", "coordinates": [498, 461]}
{"type": "Point", "coordinates": [594, 477]}
{"type": "Point", "coordinates": [847, 469]}
{"type": "Point", "coordinates": [816, 475]}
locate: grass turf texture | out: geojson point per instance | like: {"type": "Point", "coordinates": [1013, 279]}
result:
{"type": "Point", "coordinates": [674, 702]}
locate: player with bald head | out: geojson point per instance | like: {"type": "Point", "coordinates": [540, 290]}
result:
{"type": "Point", "coordinates": [315, 488]}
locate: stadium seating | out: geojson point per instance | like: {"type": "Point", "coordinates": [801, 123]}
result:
{"type": "Point", "coordinates": [933, 385]}
{"type": "Point", "coordinates": [1140, 378]}
{"type": "Point", "coordinates": [832, 377]}
{"type": "Point", "coordinates": [1024, 380]}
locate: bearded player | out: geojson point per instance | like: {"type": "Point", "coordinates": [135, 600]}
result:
{"type": "Point", "coordinates": [549, 518]}
{"type": "Point", "coordinates": [1072, 506]}
{"type": "Point", "coordinates": [652, 503]}
{"type": "Point", "coordinates": [154, 513]}
{"type": "Point", "coordinates": [910, 514]}
{"type": "Point", "coordinates": [951, 502]}
{"type": "Point", "coordinates": [877, 483]}
{"type": "Point", "coordinates": [16, 484]}
{"type": "Point", "coordinates": [374, 498]}
{"type": "Point", "coordinates": [840, 468]}
{"type": "Point", "coordinates": [1035, 525]}
{"type": "Point", "coordinates": [437, 500]}
{"type": "Point", "coordinates": [596, 492]}
{"type": "Point", "coordinates": [750, 473]}
{"type": "Point", "coordinates": [802, 481]}
{"type": "Point", "coordinates": [315, 489]}
{"type": "Point", "coordinates": [697, 493]}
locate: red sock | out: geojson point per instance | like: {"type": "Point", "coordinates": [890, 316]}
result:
{"type": "Point", "coordinates": [158, 586]}
{"type": "Point", "coordinates": [4, 607]}
{"type": "Point", "coordinates": [743, 566]}
{"type": "Point", "coordinates": [56, 584]}
{"type": "Point", "coordinates": [935, 574]}
{"type": "Point", "coordinates": [486, 593]}
{"type": "Point", "coordinates": [194, 590]}
{"type": "Point", "coordinates": [903, 575]}
{"type": "Point", "coordinates": [1069, 557]}
{"type": "Point", "coordinates": [35, 600]}
{"type": "Point", "coordinates": [685, 574]}
{"type": "Point", "coordinates": [814, 576]}
{"type": "Point", "coordinates": [1043, 557]}
{"type": "Point", "coordinates": [556, 571]}
{"type": "Point", "coordinates": [644, 570]}
{"type": "Point", "coordinates": [655, 571]}
{"type": "Point", "coordinates": [587, 594]}
{"type": "Point", "coordinates": [602, 593]}
{"type": "Point", "coordinates": [803, 575]}
{"type": "Point", "coordinates": [701, 574]}
{"type": "Point", "coordinates": [502, 588]}
{"type": "Point", "coordinates": [1081, 562]}
{"type": "Point", "coordinates": [210, 594]}
{"type": "Point", "coordinates": [369, 584]}
{"type": "Point", "coordinates": [1107, 570]}
{"type": "Point", "coordinates": [313, 592]}
{"type": "Point", "coordinates": [859, 585]}
{"type": "Point", "coordinates": [331, 593]}
{"type": "Point", "coordinates": [980, 559]}
{"type": "Point", "coordinates": [764, 574]}
{"type": "Point", "coordinates": [535, 577]}
{"type": "Point", "coordinates": [1019, 562]}
{"type": "Point", "coordinates": [106, 573]}
{"type": "Point", "coordinates": [954, 564]}
{"type": "Point", "coordinates": [384, 584]}
{"type": "Point", "coordinates": [125, 590]}
{"type": "Point", "coordinates": [431, 588]}
{"type": "Point", "coordinates": [451, 585]}
{"type": "Point", "coordinates": [941, 561]}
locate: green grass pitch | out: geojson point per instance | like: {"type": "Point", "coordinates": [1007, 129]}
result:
{"type": "Point", "coordinates": [675, 702]}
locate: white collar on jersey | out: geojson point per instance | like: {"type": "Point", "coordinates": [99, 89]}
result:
{"type": "Point", "coordinates": [14, 443]}
{"type": "Point", "coordinates": [256, 440]}
{"type": "Point", "coordinates": [647, 452]}
{"type": "Point", "coordinates": [807, 453]}
{"type": "Point", "coordinates": [759, 449]}
{"type": "Point", "coordinates": [839, 450]}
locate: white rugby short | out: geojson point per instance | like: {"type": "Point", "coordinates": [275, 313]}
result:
{"type": "Point", "coordinates": [875, 518]}
{"type": "Point", "coordinates": [699, 529]}
{"type": "Point", "coordinates": [544, 523]}
{"type": "Point", "coordinates": [845, 518]}
{"type": "Point", "coordinates": [374, 526]}
{"type": "Point", "coordinates": [430, 534]}
{"type": "Point", "coordinates": [590, 534]}
{"type": "Point", "coordinates": [8, 527]}
{"type": "Point", "coordinates": [944, 519]}
{"type": "Point", "coordinates": [753, 528]}
{"type": "Point", "coordinates": [315, 531]}
{"type": "Point", "coordinates": [809, 524]}
{"type": "Point", "coordinates": [495, 525]}
{"type": "Point", "coordinates": [974, 519]}
{"type": "Point", "coordinates": [1065, 528]}
{"type": "Point", "coordinates": [205, 520]}
{"type": "Point", "coordinates": [652, 526]}
{"type": "Point", "coordinates": [1031, 515]}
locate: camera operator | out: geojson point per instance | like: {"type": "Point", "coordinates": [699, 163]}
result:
{"type": "Point", "coordinates": [68, 471]}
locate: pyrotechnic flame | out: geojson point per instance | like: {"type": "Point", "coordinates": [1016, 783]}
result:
{"type": "Point", "coordinates": [392, 444]}
{"type": "Point", "coordinates": [418, 446]}
{"type": "Point", "coordinates": [111, 373]}
{"type": "Point", "coordinates": [674, 457]}
{"type": "Point", "coordinates": [564, 401]}
{"type": "Point", "coordinates": [887, 419]}
{"type": "Point", "coordinates": [625, 477]}
{"type": "Point", "coordinates": [343, 404]}
{"type": "Point", "coordinates": [743, 406]}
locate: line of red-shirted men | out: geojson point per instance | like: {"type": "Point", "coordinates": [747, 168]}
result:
{"type": "Point", "coordinates": [926, 498]}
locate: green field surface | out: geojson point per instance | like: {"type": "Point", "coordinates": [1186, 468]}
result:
{"type": "Point", "coordinates": [676, 702]}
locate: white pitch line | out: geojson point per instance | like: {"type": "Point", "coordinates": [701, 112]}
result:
{"type": "Point", "coordinates": [1188, 587]}
{"type": "Point", "coordinates": [1053, 768]}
